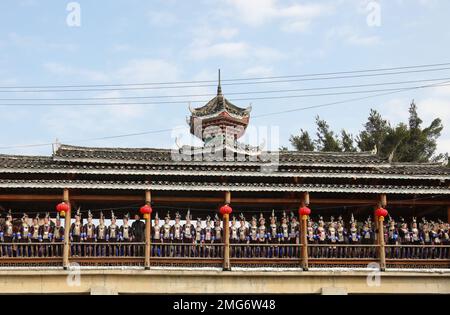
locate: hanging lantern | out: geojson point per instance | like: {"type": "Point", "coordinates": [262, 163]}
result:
{"type": "Point", "coordinates": [62, 208]}
{"type": "Point", "coordinates": [304, 212]}
{"type": "Point", "coordinates": [226, 209]}
{"type": "Point", "coordinates": [380, 213]}
{"type": "Point", "coordinates": [146, 211]}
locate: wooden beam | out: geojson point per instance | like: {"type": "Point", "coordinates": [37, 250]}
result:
{"type": "Point", "coordinates": [448, 214]}
{"type": "Point", "coordinates": [217, 200]}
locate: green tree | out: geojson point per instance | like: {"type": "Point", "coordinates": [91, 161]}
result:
{"type": "Point", "coordinates": [326, 139]}
{"type": "Point", "coordinates": [347, 142]}
{"type": "Point", "coordinates": [403, 142]}
{"type": "Point", "coordinates": [302, 142]}
{"type": "Point", "coordinates": [375, 131]}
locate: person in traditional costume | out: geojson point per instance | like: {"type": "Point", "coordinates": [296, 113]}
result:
{"type": "Point", "coordinates": [199, 238]}
{"type": "Point", "coordinates": [367, 238]}
{"type": "Point", "coordinates": [8, 235]}
{"type": "Point", "coordinates": [126, 236]}
{"type": "Point", "coordinates": [405, 239]}
{"type": "Point", "coordinates": [167, 236]}
{"type": "Point", "coordinates": [415, 239]}
{"type": "Point", "coordinates": [46, 235]}
{"type": "Point", "coordinates": [243, 251]}
{"type": "Point", "coordinates": [332, 239]}
{"type": "Point", "coordinates": [341, 238]}
{"type": "Point", "coordinates": [89, 235]}
{"type": "Point", "coordinates": [217, 237]}
{"type": "Point", "coordinates": [274, 236]}
{"type": "Point", "coordinates": [234, 237]}
{"type": "Point", "coordinates": [294, 235]}
{"type": "Point", "coordinates": [23, 236]}
{"type": "Point", "coordinates": [321, 236]}
{"type": "Point", "coordinates": [156, 237]}
{"type": "Point", "coordinates": [188, 236]}
{"type": "Point", "coordinates": [263, 236]}
{"type": "Point", "coordinates": [35, 237]}
{"type": "Point", "coordinates": [208, 233]}
{"type": "Point", "coordinates": [76, 230]}
{"type": "Point", "coordinates": [283, 235]}
{"type": "Point", "coordinates": [177, 235]}
{"type": "Point", "coordinates": [58, 236]}
{"type": "Point", "coordinates": [113, 236]}
{"type": "Point", "coordinates": [354, 238]}
{"type": "Point", "coordinates": [392, 233]}
{"type": "Point", "coordinates": [101, 234]}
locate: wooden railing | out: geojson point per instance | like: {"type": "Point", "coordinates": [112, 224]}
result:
{"type": "Point", "coordinates": [212, 254]}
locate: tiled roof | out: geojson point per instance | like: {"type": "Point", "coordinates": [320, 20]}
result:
{"type": "Point", "coordinates": [220, 104]}
{"type": "Point", "coordinates": [215, 186]}
{"type": "Point", "coordinates": [9, 164]}
{"type": "Point", "coordinates": [362, 172]}
{"type": "Point", "coordinates": [136, 155]}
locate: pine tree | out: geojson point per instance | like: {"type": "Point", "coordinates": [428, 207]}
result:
{"type": "Point", "coordinates": [326, 139]}
{"type": "Point", "coordinates": [302, 142]}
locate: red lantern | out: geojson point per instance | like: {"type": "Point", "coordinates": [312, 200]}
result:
{"type": "Point", "coordinates": [146, 211]}
{"type": "Point", "coordinates": [226, 209]}
{"type": "Point", "coordinates": [62, 208]}
{"type": "Point", "coordinates": [304, 211]}
{"type": "Point", "coordinates": [381, 213]}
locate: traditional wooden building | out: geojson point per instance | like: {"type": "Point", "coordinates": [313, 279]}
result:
{"type": "Point", "coordinates": [200, 178]}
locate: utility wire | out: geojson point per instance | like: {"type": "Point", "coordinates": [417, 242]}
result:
{"type": "Point", "coordinates": [230, 93]}
{"type": "Point", "coordinates": [210, 85]}
{"type": "Point", "coordinates": [229, 80]}
{"type": "Point", "coordinates": [204, 101]}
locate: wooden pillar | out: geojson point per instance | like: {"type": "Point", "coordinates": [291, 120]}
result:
{"type": "Point", "coordinates": [382, 252]}
{"type": "Point", "coordinates": [148, 233]}
{"type": "Point", "coordinates": [448, 214]}
{"type": "Point", "coordinates": [67, 218]}
{"type": "Point", "coordinates": [303, 234]}
{"type": "Point", "coordinates": [226, 235]}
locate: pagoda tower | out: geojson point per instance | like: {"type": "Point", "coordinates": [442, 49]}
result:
{"type": "Point", "coordinates": [219, 119]}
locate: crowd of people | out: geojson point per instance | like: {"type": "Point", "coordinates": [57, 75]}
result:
{"type": "Point", "coordinates": [276, 237]}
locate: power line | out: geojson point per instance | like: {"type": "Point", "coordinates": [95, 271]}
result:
{"type": "Point", "coordinates": [229, 84]}
{"type": "Point", "coordinates": [230, 80]}
{"type": "Point", "coordinates": [447, 83]}
{"type": "Point", "coordinates": [204, 101]}
{"type": "Point", "coordinates": [230, 93]}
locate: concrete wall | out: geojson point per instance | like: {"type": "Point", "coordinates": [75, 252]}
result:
{"type": "Point", "coordinates": [174, 281]}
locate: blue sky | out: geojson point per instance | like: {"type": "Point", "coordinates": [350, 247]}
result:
{"type": "Point", "coordinates": [135, 41]}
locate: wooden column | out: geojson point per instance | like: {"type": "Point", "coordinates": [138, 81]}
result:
{"type": "Point", "coordinates": [303, 238]}
{"type": "Point", "coordinates": [148, 233]}
{"type": "Point", "coordinates": [226, 235]}
{"type": "Point", "coordinates": [67, 218]}
{"type": "Point", "coordinates": [448, 214]}
{"type": "Point", "coordinates": [382, 252]}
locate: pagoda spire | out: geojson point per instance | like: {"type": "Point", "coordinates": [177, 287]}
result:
{"type": "Point", "coordinates": [219, 87]}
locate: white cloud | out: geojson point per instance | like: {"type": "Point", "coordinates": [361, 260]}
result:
{"type": "Point", "coordinates": [352, 37]}
{"type": "Point", "coordinates": [70, 71]}
{"type": "Point", "coordinates": [146, 70]}
{"type": "Point", "coordinates": [258, 71]}
{"type": "Point", "coordinates": [295, 17]}
{"type": "Point", "coordinates": [161, 18]}
{"type": "Point", "coordinates": [226, 49]}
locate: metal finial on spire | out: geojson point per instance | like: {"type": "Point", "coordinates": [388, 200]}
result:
{"type": "Point", "coordinates": [219, 86]}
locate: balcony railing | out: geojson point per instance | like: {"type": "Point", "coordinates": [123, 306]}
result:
{"type": "Point", "coordinates": [213, 254]}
